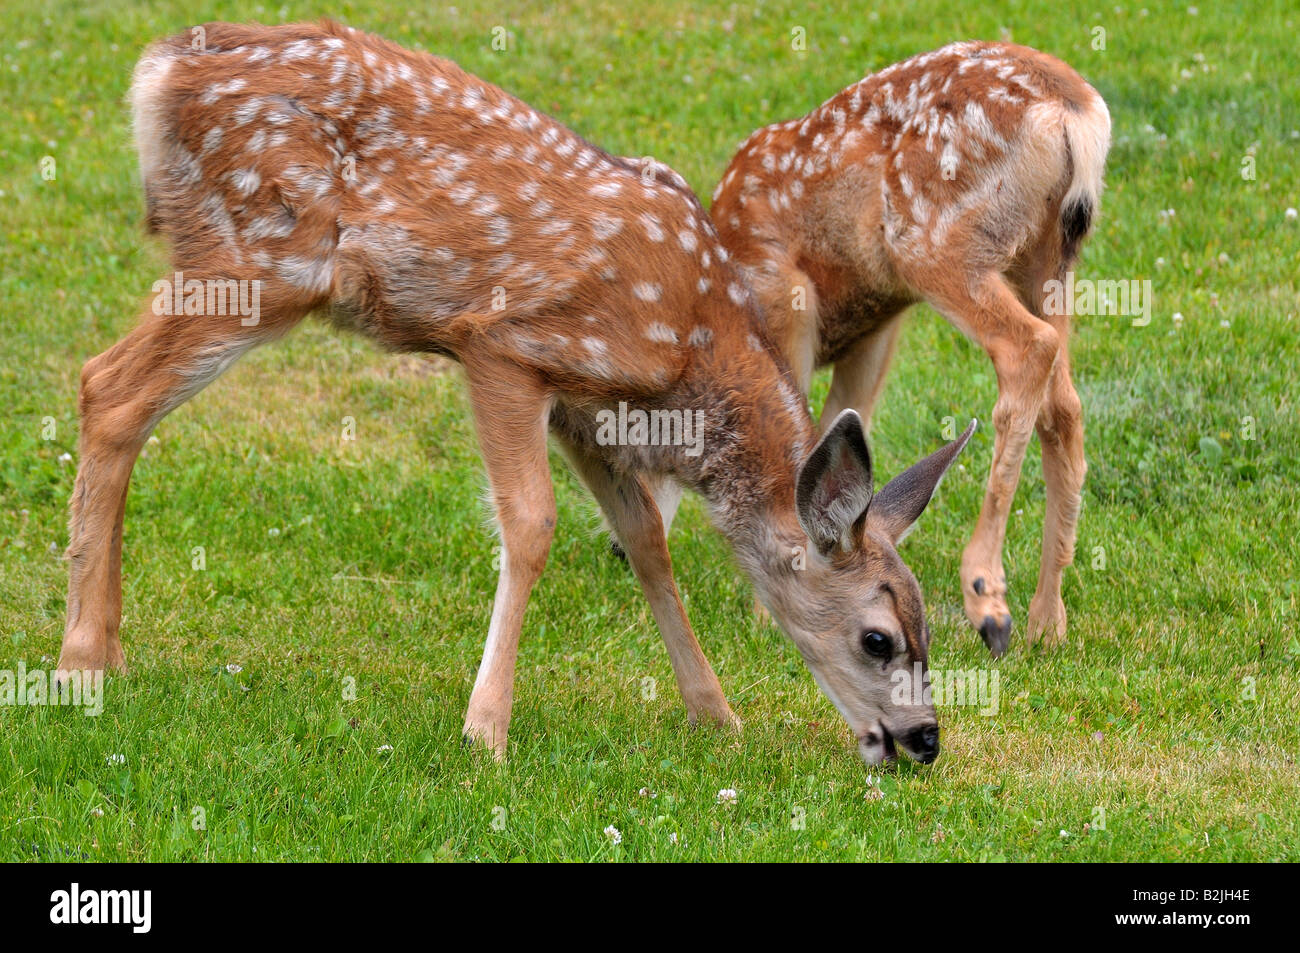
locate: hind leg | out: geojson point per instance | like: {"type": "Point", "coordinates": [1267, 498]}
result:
{"type": "Point", "coordinates": [124, 393]}
{"type": "Point", "coordinates": [511, 409]}
{"type": "Point", "coordinates": [1060, 432]}
{"type": "Point", "coordinates": [1023, 349]}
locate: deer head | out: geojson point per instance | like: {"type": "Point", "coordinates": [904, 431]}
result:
{"type": "Point", "coordinates": [852, 607]}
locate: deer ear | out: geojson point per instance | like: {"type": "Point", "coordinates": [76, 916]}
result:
{"type": "Point", "coordinates": [834, 488]}
{"type": "Point", "coordinates": [899, 504]}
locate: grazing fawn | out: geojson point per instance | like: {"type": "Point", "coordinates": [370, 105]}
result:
{"type": "Point", "coordinates": [431, 211]}
{"type": "Point", "coordinates": [966, 177]}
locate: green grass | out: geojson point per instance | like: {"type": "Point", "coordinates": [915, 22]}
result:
{"type": "Point", "coordinates": [367, 563]}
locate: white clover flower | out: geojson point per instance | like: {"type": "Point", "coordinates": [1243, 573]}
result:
{"type": "Point", "coordinates": [727, 796]}
{"type": "Point", "coordinates": [614, 834]}
{"type": "Point", "coordinates": [1290, 217]}
{"type": "Point", "coordinates": [672, 838]}
{"type": "Point", "coordinates": [234, 668]}
{"type": "Point", "coordinates": [116, 759]}
{"type": "Point", "coordinates": [67, 457]}
{"type": "Point", "coordinates": [382, 748]}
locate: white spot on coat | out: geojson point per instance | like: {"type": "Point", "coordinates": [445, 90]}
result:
{"type": "Point", "coordinates": [660, 332]}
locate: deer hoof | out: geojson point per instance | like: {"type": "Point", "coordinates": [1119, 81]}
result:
{"type": "Point", "coordinates": [984, 588]}
{"type": "Point", "coordinates": [1046, 620]}
{"type": "Point", "coordinates": [486, 735]}
{"type": "Point", "coordinates": [722, 717]}
{"type": "Point", "coordinates": [82, 652]}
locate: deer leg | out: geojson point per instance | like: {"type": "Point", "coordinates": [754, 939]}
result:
{"type": "Point", "coordinates": [124, 393]}
{"type": "Point", "coordinates": [1023, 350]}
{"type": "Point", "coordinates": [1060, 434]}
{"type": "Point", "coordinates": [1060, 431]}
{"type": "Point", "coordinates": [635, 518]}
{"type": "Point", "coordinates": [510, 412]}
{"type": "Point", "coordinates": [859, 377]}
{"type": "Point", "coordinates": [668, 497]}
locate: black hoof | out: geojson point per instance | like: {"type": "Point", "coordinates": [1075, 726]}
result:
{"type": "Point", "coordinates": [616, 550]}
{"type": "Point", "coordinates": [996, 634]}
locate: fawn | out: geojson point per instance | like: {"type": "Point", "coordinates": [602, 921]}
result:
{"type": "Point", "coordinates": [966, 177]}
{"type": "Point", "coordinates": [431, 211]}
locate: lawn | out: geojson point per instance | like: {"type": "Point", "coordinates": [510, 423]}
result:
{"type": "Point", "coordinates": [299, 696]}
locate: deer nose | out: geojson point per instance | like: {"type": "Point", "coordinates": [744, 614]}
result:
{"type": "Point", "coordinates": [924, 743]}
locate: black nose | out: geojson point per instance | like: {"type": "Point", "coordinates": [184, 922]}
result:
{"type": "Point", "coordinates": [996, 633]}
{"type": "Point", "coordinates": [924, 743]}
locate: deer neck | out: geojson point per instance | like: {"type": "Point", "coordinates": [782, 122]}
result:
{"type": "Point", "coordinates": [759, 434]}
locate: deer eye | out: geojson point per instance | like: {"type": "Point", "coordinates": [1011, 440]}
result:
{"type": "Point", "coordinates": [877, 644]}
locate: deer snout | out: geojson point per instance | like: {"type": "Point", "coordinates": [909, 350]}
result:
{"type": "Point", "coordinates": [922, 743]}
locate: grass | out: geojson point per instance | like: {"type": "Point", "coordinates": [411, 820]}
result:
{"type": "Point", "coordinates": [363, 568]}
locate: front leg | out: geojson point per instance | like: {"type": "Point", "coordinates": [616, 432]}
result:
{"type": "Point", "coordinates": [636, 521]}
{"type": "Point", "coordinates": [859, 376]}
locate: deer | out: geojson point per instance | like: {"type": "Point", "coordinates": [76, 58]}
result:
{"type": "Point", "coordinates": [966, 177]}
{"type": "Point", "coordinates": [394, 195]}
